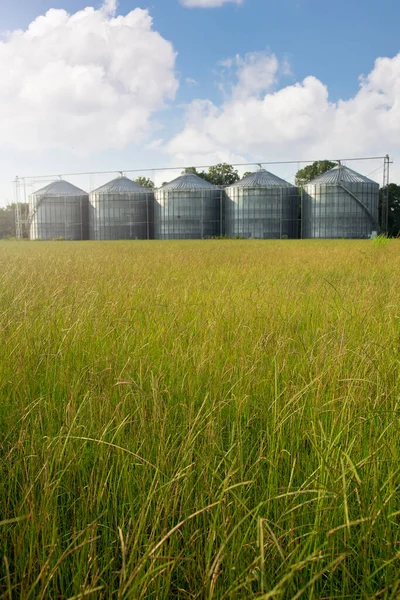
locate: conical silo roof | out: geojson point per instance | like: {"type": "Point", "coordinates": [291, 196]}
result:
{"type": "Point", "coordinates": [120, 185]}
{"type": "Point", "coordinates": [188, 182]}
{"type": "Point", "coordinates": [340, 174]}
{"type": "Point", "coordinates": [59, 188]}
{"type": "Point", "coordinates": [261, 179]}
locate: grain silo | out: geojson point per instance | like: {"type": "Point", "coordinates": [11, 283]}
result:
{"type": "Point", "coordinates": [340, 204]}
{"type": "Point", "coordinates": [188, 208]}
{"type": "Point", "coordinates": [59, 210]}
{"type": "Point", "coordinates": [263, 206]}
{"type": "Point", "coordinates": [121, 210]}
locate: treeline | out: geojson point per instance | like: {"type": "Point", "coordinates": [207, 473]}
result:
{"type": "Point", "coordinates": [223, 175]}
{"type": "Point", "coordinates": [7, 221]}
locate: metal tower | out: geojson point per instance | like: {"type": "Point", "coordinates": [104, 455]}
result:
{"type": "Point", "coordinates": [385, 195]}
{"type": "Point", "coordinates": [21, 217]}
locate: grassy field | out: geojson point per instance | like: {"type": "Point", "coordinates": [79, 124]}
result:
{"type": "Point", "coordinates": [200, 420]}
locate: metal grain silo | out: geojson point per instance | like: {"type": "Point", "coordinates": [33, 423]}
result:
{"type": "Point", "coordinates": [340, 204]}
{"type": "Point", "coordinates": [121, 210]}
{"type": "Point", "coordinates": [261, 205]}
{"type": "Point", "coordinates": [59, 210]}
{"type": "Point", "coordinates": [187, 208]}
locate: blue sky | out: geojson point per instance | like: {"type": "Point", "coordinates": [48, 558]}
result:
{"type": "Point", "coordinates": [333, 44]}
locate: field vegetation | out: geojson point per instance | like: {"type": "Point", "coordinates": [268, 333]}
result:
{"type": "Point", "coordinates": [200, 420]}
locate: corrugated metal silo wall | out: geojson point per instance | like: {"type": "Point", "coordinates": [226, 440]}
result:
{"type": "Point", "coordinates": [121, 216]}
{"type": "Point", "coordinates": [186, 215]}
{"type": "Point", "coordinates": [53, 217]}
{"type": "Point", "coordinates": [264, 213]}
{"type": "Point", "coordinates": [330, 211]}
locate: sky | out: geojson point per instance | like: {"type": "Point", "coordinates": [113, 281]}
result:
{"type": "Point", "coordinates": [107, 86]}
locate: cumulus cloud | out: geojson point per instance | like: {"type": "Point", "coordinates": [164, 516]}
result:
{"type": "Point", "coordinates": [110, 7]}
{"type": "Point", "coordinates": [254, 73]}
{"type": "Point", "coordinates": [295, 122]}
{"type": "Point", "coordinates": [86, 81]}
{"type": "Point", "coordinates": [207, 3]}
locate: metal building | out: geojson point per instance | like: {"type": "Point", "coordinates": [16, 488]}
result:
{"type": "Point", "coordinates": [340, 204]}
{"type": "Point", "coordinates": [261, 205]}
{"type": "Point", "coordinates": [188, 208]}
{"type": "Point", "coordinates": [121, 210]}
{"type": "Point", "coordinates": [59, 210]}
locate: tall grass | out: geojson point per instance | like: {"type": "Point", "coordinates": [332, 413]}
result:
{"type": "Point", "coordinates": [200, 420]}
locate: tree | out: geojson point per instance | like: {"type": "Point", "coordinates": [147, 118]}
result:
{"type": "Point", "coordinates": [145, 182]}
{"type": "Point", "coordinates": [222, 175]}
{"type": "Point", "coordinates": [310, 172]}
{"type": "Point", "coordinates": [247, 174]}
{"type": "Point", "coordinates": [7, 220]}
{"type": "Point", "coordinates": [394, 209]}
{"type": "Point", "coordinates": [193, 170]}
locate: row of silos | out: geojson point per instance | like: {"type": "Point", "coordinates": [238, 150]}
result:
{"type": "Point", "coordinates": [120, 209]}
{"type": "Point", "coordinates": [339, 204]}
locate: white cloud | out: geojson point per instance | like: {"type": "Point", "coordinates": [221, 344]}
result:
{"type": "Point", "coordinates": [110, 7]}
{"type": "Point", "coordinates": [295, 122]}
{"type": "Point", "coordinates": [256, 72]}
{"type": "Point", "coordinates": [84, 81]}
{"type": "Point", "coordinates": [241, 77]}
{"type": "Point", "coordinates": [208, 3]}
{"type": "Point", "coordinates": [155, 144]}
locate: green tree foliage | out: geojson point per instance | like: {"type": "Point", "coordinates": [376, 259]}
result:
{"type": "Point", "coordinates": [145, 182]}
{"type": "Point", "coordinates": [310, 172]}
{"type": "Point", "coordinates": [394, 209]}
{"type": "Point", "coordinates": [7, 220]}
{"type": "Point", "coordinates": [220, 175]}
{"type": "Point", "coordinates": [247, 173]}
{"type": "Point", "coordinates": [193, 170]}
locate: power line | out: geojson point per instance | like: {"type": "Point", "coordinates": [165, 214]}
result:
{"type": "Point", "coordinates": [247, 164]}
